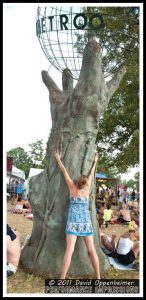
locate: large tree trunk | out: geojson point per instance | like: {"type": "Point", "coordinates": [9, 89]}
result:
{"type": "Point", "coordinates": [75, 120]}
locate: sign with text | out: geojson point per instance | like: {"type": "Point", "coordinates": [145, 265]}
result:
{"type": "Point", "coordinates": [79, 21]}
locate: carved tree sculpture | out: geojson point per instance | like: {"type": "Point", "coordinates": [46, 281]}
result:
{"type": "Point", "coordinates": [75, 121]}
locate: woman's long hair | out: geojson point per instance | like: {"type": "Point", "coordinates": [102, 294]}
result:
{"type": "Point", "coordinates": [81, 182]}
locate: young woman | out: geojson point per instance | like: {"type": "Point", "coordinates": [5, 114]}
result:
{"type": "Point", "coordinates": [78, 221]}
{"type": "Point", "coordinates": [128, 247]}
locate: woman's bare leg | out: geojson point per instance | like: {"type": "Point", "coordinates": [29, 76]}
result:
{"type": "Point", "coordinates": [93, 255]}
{"type": "Point", "coordinates": [71, 240]}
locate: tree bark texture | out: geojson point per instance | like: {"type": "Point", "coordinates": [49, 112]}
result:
{"type": "Point", "coordinates": [75, 121]}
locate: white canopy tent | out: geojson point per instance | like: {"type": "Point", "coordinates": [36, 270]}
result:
{"type": "Point", "coordinates": [18, 173]}
{"type": "Point", "coordinates": [13, 176]}
{"type": "Point", "coordinates": [34, 171]}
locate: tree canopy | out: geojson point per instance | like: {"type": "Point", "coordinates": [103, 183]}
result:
{"type": "Point", "coordinates": [38, 154]}
{"type": "Point", "coordinates": [118, 136]}
{"type": "Point", "coordinates": [21, 159]}
{"type": "Point", "coordinates": [24, 160]}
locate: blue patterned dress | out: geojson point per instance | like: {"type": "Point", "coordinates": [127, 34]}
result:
{"type": "Point", "coordinates": [79, 220]}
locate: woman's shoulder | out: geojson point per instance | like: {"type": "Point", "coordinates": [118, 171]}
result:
{"type": "Point", "coordinates": [82, 193]}
{"type": "Point", "coordinates": [73, 187]}
{"type": "Point", "coordinates": [102, 235]}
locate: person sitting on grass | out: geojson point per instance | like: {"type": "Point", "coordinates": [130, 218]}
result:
{"type": "Point", "coordinates": [100, 210]}
{"type": "Point", "coordinates": [135, 207]}
{"type": "Point", "coordinates": [124, 215]}
{"type": "Point", "coordinates": [106, 200]}
{"type": "Point", "coordinates": [108, 215]}
{"type": "Point", "coordinates": [23, 206]}
{"type": "Point", "coordinates": [128, 247]}
{"type": "Point", "coordinates": [132, 226]}
{"type": "Point", "coordinates": [107, 243]}
{"type": "Point", "coordinates": [13, 250]}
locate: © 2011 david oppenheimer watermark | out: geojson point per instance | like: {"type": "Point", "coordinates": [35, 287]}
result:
{"type": "Point", "coordinates": [90, 286]}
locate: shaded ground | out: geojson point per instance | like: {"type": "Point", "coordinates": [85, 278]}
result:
{"type": "Point", "coordinates": [23, 282]}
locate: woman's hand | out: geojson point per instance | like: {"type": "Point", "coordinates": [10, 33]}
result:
{"type": "Point", "coordinates": [96, 157]}
{"type": "Point", "coordinates": [57, 155]}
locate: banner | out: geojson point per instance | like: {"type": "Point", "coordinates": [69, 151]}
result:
{"type": "Point", "coordinates": [9, 164]}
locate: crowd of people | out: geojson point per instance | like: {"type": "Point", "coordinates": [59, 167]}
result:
{"type": "Point", "coordinates": [126, 248]}
{"type": "Point", "coordinates": [127, 202]}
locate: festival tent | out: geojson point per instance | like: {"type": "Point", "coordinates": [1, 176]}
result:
{"type": "Point", "coordinates": [34, 171]}
{"type": "Point", "coordinates": [103, 180]}
{"type": "Point", "coordinates": [100, 175]}
{"type": "Point", "coordinates": [103, 177]}
{"type": "Point", "coordinates": [16, 173]}
{"type": "Point", "coordinates": [12, 176]}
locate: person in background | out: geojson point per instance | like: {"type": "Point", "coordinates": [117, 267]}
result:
{"type": "Point", "coordinates": [24, 190]}
{"type": "Point", "coordinates": [23, 206]}
{"type": "Point", "coordinates": [129, 202]}
{"type": "Point", "coordinates": [108, 215]}
{"type": "Point", "coordinates": [127, 247]}
{"type": "Point", "coordinates": [121, 198]}
{"type": "Point", "coordinates": [132, 226]}
{"type": "Point", "coordinates": [123, 215]}
{"type": "Point", "coordinates": [100, 210]}
{"type": "Point", "coordinates": [13, 250]}
{"type": "Point", "coordinates": [106, 200]}
{"type": "Point", "coordinates": [133, 195]}
{"type": "Point", "coordinates": [108, 243]}
{"type": "Point", "coordinates": [130, 196]}
{"type": "Point", "coordinates": [19, 188]}
{"type": "Point", "coordinates": [15, 196]}
{"type": "Point", "coordinates": [135, 207]}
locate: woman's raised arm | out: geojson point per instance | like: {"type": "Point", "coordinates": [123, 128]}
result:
{"type": "Point", "coordinates": [91, 172]}
{"type": "Point", "coordinates": [69, 181]}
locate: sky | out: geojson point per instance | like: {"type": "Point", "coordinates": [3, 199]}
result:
{"type": "Point", "coordinates": [26, 99]}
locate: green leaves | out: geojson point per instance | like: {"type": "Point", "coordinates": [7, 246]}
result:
{"type": "Point", "coordinates": [118, 136]}
{"type": "Point", "coordinates": [37, 154]}
{"type": "Point", "coordinates": [21, 159]}
{"type": "Point", "coordinates": [35, 158]}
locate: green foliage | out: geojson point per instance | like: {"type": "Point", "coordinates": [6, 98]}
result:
{"type": "Point", "coordinates": [35, 158]}
{"type": "Point", "coordinates": [137, 179]}
{"type": "Point", "coordinates": [118, 136]}
{"type": "Point", "coordinates": [131, 183]}
{"type": "Point", "coordinates": [21, 159]}
{"type": "Point", "coordinates": [37, 154]}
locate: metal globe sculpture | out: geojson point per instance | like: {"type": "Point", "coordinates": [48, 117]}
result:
{"type": "Point", "coordinates": [62, 32]}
